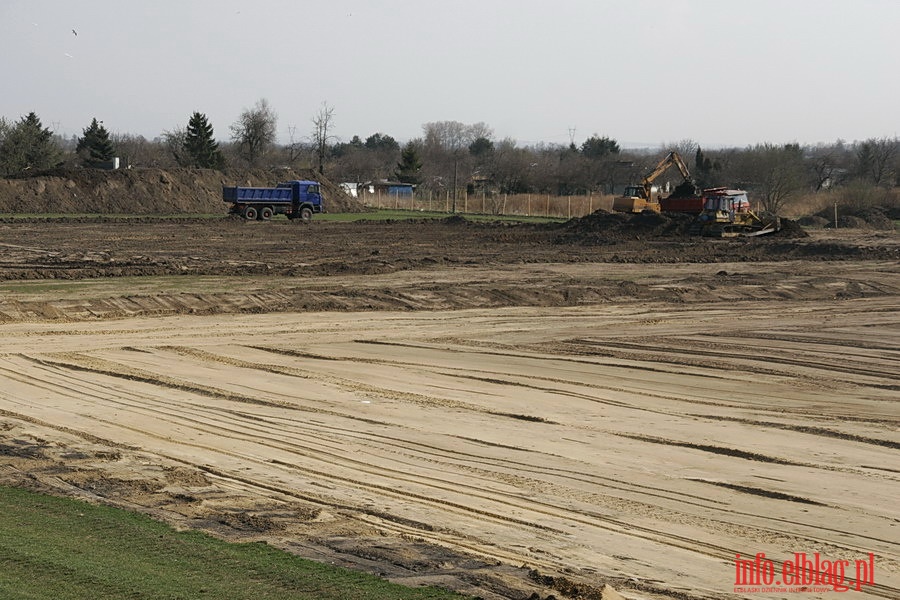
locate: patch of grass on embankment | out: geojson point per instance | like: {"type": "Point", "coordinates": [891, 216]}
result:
{"type": "Point", "coordinates": [391, 214]}
{"type": "Point", "coordinates": [107, 216]}
{"type": "Point", "coordinates": [375, 215]}
{"type": "Point", "coordinates": [63, 549]}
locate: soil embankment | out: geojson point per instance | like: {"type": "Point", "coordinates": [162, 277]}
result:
{"type": "Point", "coordinates": [147, 191]}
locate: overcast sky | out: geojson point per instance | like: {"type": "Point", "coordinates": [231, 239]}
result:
{"type": "Point", "coordinates": [644, 72]}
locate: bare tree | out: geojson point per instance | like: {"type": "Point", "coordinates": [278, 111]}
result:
{"type": "Point", "coordinates": [174, 143]}
{"type": "Point", "coordinates": [687, 148]}
{"type": "Point", "coordinates": [446, 156]}
{"type": "Point", "coordinates": [823, 166]}
{"type": "Point", "coordinates": [774, 172]}
{"type": "Point", "coordinates": [453, 135]}
{"type": "Point", "coordinates": [255, 131]}
{"type": "Point", "coordinates": [480, 130]}
{"type": "Point", "coordinates": [323, 122]}
{"type": "Point", "coordinates": [875, 159]}
{"type": "Point", "coordinates": [511, 166]}
{"type": "Point", "coordinates": [294, 147]}
{"type": "Point", "coordinates": [138, 151]}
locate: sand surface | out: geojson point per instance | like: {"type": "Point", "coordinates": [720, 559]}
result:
{"type": "Point", "coordinates": [675, 416]}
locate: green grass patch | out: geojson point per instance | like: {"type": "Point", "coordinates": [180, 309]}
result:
{"type": "Point", "coordinates": [135, 285]}
{"type": "Point", "coordinates": [109, 216]}
{"type": "Point", "coordinates": [375, 215]}
{"type": "Point", "coordinates": [44, 286]}
{"type": "Point", "coordinates": [392, 214]}
{"type": "Point", "coordinates": [63, 549]}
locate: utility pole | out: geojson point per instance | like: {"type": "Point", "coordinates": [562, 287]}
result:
{"type": "Point", "coordinates": [455, 172]}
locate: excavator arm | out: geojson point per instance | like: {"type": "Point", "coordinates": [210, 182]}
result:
{"type": "Point", "coordinates": [640, 197]}
{"type": "Point", "coordinates": [672, 158]}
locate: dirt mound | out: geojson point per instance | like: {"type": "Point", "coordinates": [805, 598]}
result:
{"type": "Point", "coordinates": [147, 191]}
{"type": "Point", "coordinates": [455, 220]}
{"type": "Point", "coordinates": [685, 190]}
{"type": "Point", "coordinates": [852, 222]}
{"type": "Point", "coordinates": [602, 227]}
{"type": "Point", "coordinates": [876, 218]}
{"type": "Point", "coordinates": [851, 217]}
{"type": "Point", "coordinates": [813, 221]}
{"type": "Point", "coordinates": [790, 229]}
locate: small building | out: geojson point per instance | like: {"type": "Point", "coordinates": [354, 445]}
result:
{"type": "Point", "coordinates": [351, 189]}
{"type": "Point", "coordinates": [383, 187]}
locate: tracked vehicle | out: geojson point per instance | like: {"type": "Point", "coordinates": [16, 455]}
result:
{"type": "Point", "coordinates": [726, 213]}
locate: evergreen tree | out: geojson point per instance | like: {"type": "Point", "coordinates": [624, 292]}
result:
{"type": "Point", "coordinates": [380, 141]}
{"type": "Point", "coordinates": [200, 147]}
{"type": "Point", "coordinates": [481, 147]}
{"type": "Point", "coordinates": [95, 147]}
{"type": "Point", "coordinates": [409, 166]}
{"type": "Point", "coordinates": [598, 147]}
{"type": "Point", "coordinates": [27, 145]}
{"type": "Point", "coordinates": [704, 169]}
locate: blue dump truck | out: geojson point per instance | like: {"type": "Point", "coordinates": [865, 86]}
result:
{"type": "Point", "coordinates": [296, 199]}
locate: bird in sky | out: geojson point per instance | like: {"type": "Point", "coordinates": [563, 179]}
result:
{"type": "Point", "coordinates": [75, 33]}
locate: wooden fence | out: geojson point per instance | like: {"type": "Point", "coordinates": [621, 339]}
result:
{"type": "Point", "coordinates": [534, 205]}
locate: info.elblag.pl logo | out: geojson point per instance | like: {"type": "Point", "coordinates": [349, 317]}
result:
{"type": "Point", "coordinates": [802, 574]}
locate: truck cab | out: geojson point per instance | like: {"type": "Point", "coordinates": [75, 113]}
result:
{"type": "Point", "coordinates": [724, 205]}
{"type": "Point", "coordinates": [304, 190]}
{"type": "Point", "coordinates": [638, 198]}
{"type": "Point", "coordinates": [306, 198]}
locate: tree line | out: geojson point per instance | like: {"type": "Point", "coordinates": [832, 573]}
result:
{"type": "Point", "coordinates": [451, 157]}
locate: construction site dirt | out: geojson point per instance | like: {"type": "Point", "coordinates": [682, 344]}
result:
{"type": "Point", "coordinates": [507, 410]}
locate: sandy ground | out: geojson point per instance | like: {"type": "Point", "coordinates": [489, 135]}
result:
{"type": "Point", "coordinates": [506, 429]}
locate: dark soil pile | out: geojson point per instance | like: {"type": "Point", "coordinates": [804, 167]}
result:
{"type": "Point", "coordinates": [455, 220]}
{"type": "Point", "coordinates": [147, 191]}
{"type": "Point", "coordinates": [851, 217]}
{"type": "Point", "coordinates": [852, 222]}
{"type": "Point", "coordinates": [790, 229]}
{"type": "Point", "coordinates": [603, 227]}
{"type": "Point", "coordinates": [813, 221]}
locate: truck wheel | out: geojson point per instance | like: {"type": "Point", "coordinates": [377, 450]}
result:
{"type": "Point", "coordinates": [266, 213]}
{"type": "Point", "coordinates": [306, 214]}
{"type": "Point", "coordinates": [250, 213]}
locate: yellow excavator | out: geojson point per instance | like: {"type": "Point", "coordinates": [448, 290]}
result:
{"type": "Point", "coordinates": [645, 196]}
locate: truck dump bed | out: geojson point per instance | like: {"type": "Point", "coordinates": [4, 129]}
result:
{"type": "Point", "coordinates": [256, 194]}
{"type": "Point", "coordinates": [691, 205]}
